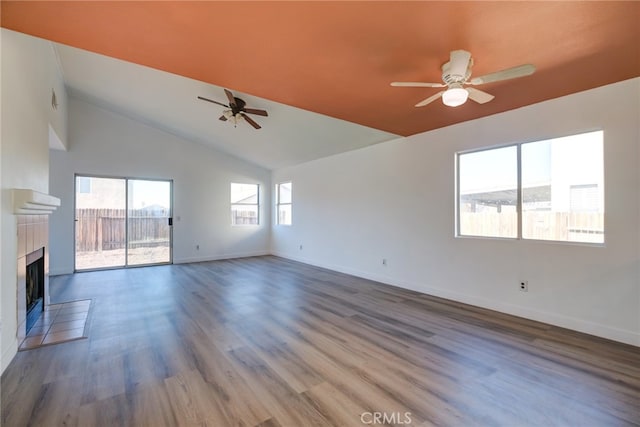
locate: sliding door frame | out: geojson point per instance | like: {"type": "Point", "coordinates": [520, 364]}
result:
{"type": "Point", "coordinates": [126, 231]}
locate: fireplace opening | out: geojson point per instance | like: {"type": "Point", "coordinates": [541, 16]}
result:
{"type": "Point", "coordinates": [35, 287]}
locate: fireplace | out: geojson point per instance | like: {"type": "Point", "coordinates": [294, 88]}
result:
{"type": "Point", "coordinates": [32, 210]}
{"type": "Point", "coordinates": [34, 282]}
{"type": "Point", "coordinates": [32, 293]}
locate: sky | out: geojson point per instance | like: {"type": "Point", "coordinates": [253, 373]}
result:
{"type": "Point", "coordinates": [146, 193]}
{"type": "Point", "coordinates": [574, 159]}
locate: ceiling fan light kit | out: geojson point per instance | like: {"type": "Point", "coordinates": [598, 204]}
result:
{"type": "Point", "coordinates": [233, 118]}
{"type": "Point", "coordinates": [455, 95]}
{"type": "Point", "coordinates": [457, 72]}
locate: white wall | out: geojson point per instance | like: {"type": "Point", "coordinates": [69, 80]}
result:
{"type": "Point", "coordinates": [2, 365]}
{"type": "Point", "coordinates": [29, 72]}
{"type": "Point", "coordinates": [105, 143]}
{"type": "Point", "coordinates": [396, 201]}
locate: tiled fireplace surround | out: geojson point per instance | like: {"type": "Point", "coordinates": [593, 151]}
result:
{"type": "Point", "coordinates": [33, 234]}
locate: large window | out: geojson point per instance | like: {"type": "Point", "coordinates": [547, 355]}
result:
{"type": "Point", "coordinates": [245, 204]}
{"type": "Point", "coordinates": [283, 203]}
{"type": "Point", "coordinates": [543, 190]}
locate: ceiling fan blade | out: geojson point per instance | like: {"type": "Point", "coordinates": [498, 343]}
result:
{"type": "Point", "coordinates": [509, 73]}
{"type": "Point", "coordinates": [250, 121]}
{"type": "Point", "coordinates": [416, 84]}
{"type": "Point", "coordinates": [215, 102]}
{"type": "Point", "coordinates": [479, 96]}
{"type": "Point", "coordinates": [430, 99]}
{"type": "Point", "coordinates": [232, 100]}
{"type": "Point", "coordinates": [459, 63]}
{"type": "Point", "coordinates": [223, 118]}
{"type": "Point", "coordinates": [255, 111]}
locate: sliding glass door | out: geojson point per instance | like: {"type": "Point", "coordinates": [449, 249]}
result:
{"type": "Point", "coordinates": [122, 222]}
{"type": "Point", "coordinates": [148, 219]}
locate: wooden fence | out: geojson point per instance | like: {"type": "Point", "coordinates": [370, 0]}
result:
{"type": "Point", "coordinates": [541, 225]}
{"type": "Point", "coordinates": [105, 229]}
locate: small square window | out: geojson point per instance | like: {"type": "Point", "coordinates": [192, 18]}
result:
{"type": "Point", "coordinates": [245, 207]}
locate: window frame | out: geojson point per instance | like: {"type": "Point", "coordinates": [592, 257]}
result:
{"type": "Point", "coordinates": [519, 210]}
{"type": "Point", "coordinates": [279, 203]}
{"type": "Point", "coordinates": [256, 204]}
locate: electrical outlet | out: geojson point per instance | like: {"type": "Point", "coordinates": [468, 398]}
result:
{"type": "Point", "coordinates": [384, 261]}
{"type": "Point", "coordinates": [524, 285]}
{"type": "Point", "coordinates": [197, 247]}
{"type": "Point", "coordinates": [300, 247]}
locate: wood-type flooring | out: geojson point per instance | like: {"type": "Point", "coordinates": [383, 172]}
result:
{"type": "Point", "coordinates": [266, 341]}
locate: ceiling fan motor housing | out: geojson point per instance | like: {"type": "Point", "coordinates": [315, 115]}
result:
{"type": "Point", "coordinates": [449, 78]}
{"type": "Point", "coordinates": [238, 107]}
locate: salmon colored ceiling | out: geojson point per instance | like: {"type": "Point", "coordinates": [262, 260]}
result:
{"type": "Point", "coordinates": [338, 58]}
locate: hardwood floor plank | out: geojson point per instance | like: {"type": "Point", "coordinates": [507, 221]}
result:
{"type": "Point", "coordinates": [111, 411]}
{"type": "Point", "coordinates": [374, 346]}
{"type": "Point", "coordinates": [271, 422]}
{"type": "Point", "coordinates": [21, 385]}
{"type": "Point", "coordinates": [341, 369]}
{"type": "Point", "coordinates": [284, 403]}
{"type": "Point", "coordinates": [142, 368]}
{"type": "Point", "coordinates": [541, 405]}
{"type": "Point", "coordinates": [107, 379]}
{"type": "Point", "coordinates": [335, 406]}
{"type": "Point", "coordinates": [151, 406]}
{"type": "Point", "coordinates": [68, 361]}
{"type": "Point", "coordinates": [273, 349]}
{"type": "Point", "coordinates": [194, 401]}
{"type": "Point", "coordinates": [240, 402]}
{"type": "Point", "coordinates": [55, 405]}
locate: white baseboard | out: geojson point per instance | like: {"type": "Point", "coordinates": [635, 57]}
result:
{"type": "Point", "coordinates": [576, 324]}
{"type": "Point", "coordinates": [59, 272]}
{"type": "Point", "coordinates": [219, 257]}
{"type": "Point", "coordinates": [63, 271]}
{"type": "Point", "coordinates": [8, 354]}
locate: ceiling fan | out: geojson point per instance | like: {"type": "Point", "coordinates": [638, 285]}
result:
{"type": "Point", "coordinates": [457, 73]}
{"type": "Point", "coordinates": [236, 110]}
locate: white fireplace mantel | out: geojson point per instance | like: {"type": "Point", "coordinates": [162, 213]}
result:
{"type": "Point", "coordinates": [31, 202]}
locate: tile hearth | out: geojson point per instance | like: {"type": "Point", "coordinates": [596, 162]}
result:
{"type": "Point", "coordinates": [58, 323]}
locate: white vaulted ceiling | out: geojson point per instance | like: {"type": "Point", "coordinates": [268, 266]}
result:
{"type": "Point", "coordinates": [288, 136]}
